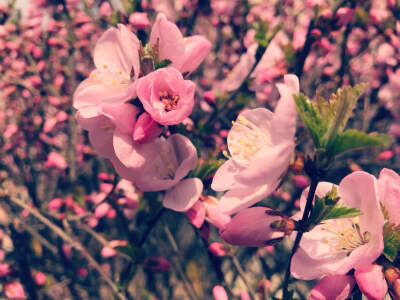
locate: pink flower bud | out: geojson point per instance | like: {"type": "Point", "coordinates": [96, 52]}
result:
{"type": "Point", "coordinates": [196, 214]}
{"type": "Point", "coordinates": [210, 96]}
{"type": "Point", "coordinates": [385, 155]}
{"type": "Point", "coordinates": [345, 15]}
{"type": "Point", "coordinates": [82, 272]}
{"type": "Point", "coordinates": [67, 251]}
{"type": "Point", "coordinates": [244, 295]}
{"type": "Point", "coordinates": [219, 293]}
{"type": "Point", "coordinates": [218, 249]}
{"type": "Point", "coordinates": [102, 210]}
{"type": "Point", "coordinates": [4, 269]}
{"type": "Point", "coordinates": [55, 204]}
{"type": "Point", "coordinates": [157, 263]}
{"type": "Point", "coordinates": [252, 227]}
{"type": "Point", "coordinates": [335, 287]}
{"type": "Point", "coordinates": [139, 20]}
{"type": "Point", "coordinates": [105, 9]}
{"type": "Point", "coordinates": [371, 281]}
{"type": "Point", "coordinates": [62, 116]}
{"type": "Point", "coordinates": [111, 214]}
{"type": "Point", "coordinates": [106, 187]}
{"type": "Point", "coordinates": [56, 160]}
{"type": "Point", "coordinates": [301, 181]}
{"type": "Point", "coordinates": [40, 278]}
{"type": "Point", "coordinates": [10, 131]}
{"type": "Point", "coordinates": [14, 290]}
{"type": "Point", "coordinates": [108, 252]}
{"type": "Point", "coordinates": [146, 129]}
{"type": "Point", "coordinates": [49, 125]}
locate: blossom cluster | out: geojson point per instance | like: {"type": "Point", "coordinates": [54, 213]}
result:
{"type": "Point", "coordinates": [195, 128]}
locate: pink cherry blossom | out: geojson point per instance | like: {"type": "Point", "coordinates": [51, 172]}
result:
{"type": "Point", "coordinates": [335, 287]}
{"type": "Point", "coordinates": [261, 144]}
{"type": "Point", "coordinates": [339, 245]}
{"type": "Point", "coordinates": [115, 56]}
{"type": "Point", "coordinates": [166, 96]}
{"type": "Point", "coordinates": [371, 281]}
{"type": "Point", "coordinates": [252, 227]}
{"type": "Point", "coordinates": [160, 165]}
{"type": "Point", "coordinates": [389, 194]}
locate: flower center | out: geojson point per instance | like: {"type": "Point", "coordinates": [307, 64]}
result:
{"type": "Point", "coordinates": [109, 78]}
{"type": "Point", "coordinates": [245, 139]}
{"type": "Point", "coordinates": [345, 236]}
{"type": "Point", "coordinates": [170, 101]}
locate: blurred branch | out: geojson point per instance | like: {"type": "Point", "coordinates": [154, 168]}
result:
{"type": "Point", "coordinates": [242, 275]}
{"type": "Point", "coordinates": [188, 286]}
{"type": "Point", "coordinates": [74, 244]}
{"type": "Point", "coordinates": [34, 233]}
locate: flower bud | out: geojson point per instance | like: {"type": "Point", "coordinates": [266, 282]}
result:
{"type": "Point", "coordinates": [157, 263]}
{"type": "Point", "coordinates": [218, 249]}
{"type": "Point", "coordinates": [40, 278]}
{"type": "Point", "coordinates": [102, 210]}
{"type": "Point", "coordinates": [337, 287]}
{"type": "Point", "coordinates": [146, 129]}
{"type": "Point", "coordinates": [371, 281]}
{"type": "Point", "coordinates": [252, 227]}
{"type": "Point", "coordinates": [219, 293]}
{"type": "Point", "coordinates": [393, 278]}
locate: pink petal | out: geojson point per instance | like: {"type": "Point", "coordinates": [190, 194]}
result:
{"type": "Point", "coordinates": [371, 281]}
{"type": "Point", "coordinates": [237, 199]}
{"type": "Point", "coordinates": [196, 49]}
{"type": "Point", "coordinates": [196, 214]}
{"type": "Point", "coordinates": [336, 287]}
{"type": "Point", "coordinates": [184, 195]}
{"type": "Point", "coordinates": [170, 41]}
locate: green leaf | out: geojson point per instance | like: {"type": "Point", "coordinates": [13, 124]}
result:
{"type": "Point", "coordinates": [391, 238]}
{"type": "Point", "coordinates": [341, 105]}
{"type": "Point", "coordinates": [326, 119]}
{"type": "Point", "coordinates": [342, 211]}
{"type": "Point", "coordinates": [162, 64]}
{"type": "Point", "coordinates": [353, 139]}
{"type": "Point", "coordinates": [327, 207]}
{"type": "Point", "coordinates": [311, 116]}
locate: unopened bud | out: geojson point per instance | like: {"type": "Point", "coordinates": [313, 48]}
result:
{"type": "Point", "coordinates": [252, 227]}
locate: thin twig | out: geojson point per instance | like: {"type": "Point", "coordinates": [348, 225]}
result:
{"type": "Point", "coordinates": [35, 234]}
{"type": "Point", "coordinates": [74, 244]}
{"type": "Point", "coordinates": [242, 275]}
{"type": "Point", "coordinates": [101, 239]}
{"type": "Point", "coordinates": [307, 209]}
{"type": "Point", "coordinates": [150, 226]}
{"type": "Point", "coordinates": [188, 286]}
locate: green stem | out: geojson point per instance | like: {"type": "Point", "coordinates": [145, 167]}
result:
{"type": "Point", "coordinates": [304, 219]}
